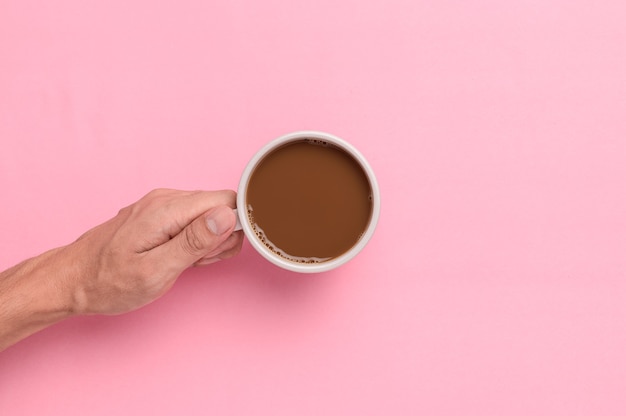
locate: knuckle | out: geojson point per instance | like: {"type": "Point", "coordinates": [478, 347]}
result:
{"type": "Point", "coordinates": [156, 200]}
{"type": "Point", "coordinates": [233, 250]}
{"type": "Point", "coordinates": [125, 211]}
{"type": "Point", "coordinates": [228, 196]}
{"type": "Point", "coordinates": [157, 192]}
{"type": "Point", "coordinates": [237, 248]}
{"type": "Point", "coordinates": [153, 198]}
{"type": "Point", "coordinates": [230, 253]}
{"type": "Point", "coordinates": [193, 242]}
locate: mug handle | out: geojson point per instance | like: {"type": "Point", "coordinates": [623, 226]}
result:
{"type": "Point", "coordinates": [238, 224]}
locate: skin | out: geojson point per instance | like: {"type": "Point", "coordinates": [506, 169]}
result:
{"type": "Point", "coordinates": [121, 265]}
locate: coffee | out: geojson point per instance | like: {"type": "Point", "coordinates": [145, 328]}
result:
{"type": "Point", "coordinates": [309, 201]}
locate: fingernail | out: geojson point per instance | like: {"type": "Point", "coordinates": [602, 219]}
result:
{"type": "Point", "coordinates": [220, 220]}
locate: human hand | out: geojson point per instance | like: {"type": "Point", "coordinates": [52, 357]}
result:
{"type": "Point", "coordinates": [135, 257]}
{"type": "Point", "coordinates": [121, 265]}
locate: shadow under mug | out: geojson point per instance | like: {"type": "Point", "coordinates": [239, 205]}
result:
{"type": "Point", "coordinates": [243, 221]}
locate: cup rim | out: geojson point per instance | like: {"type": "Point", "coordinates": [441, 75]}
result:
{"type": "Point", "coordinates": [304, 267]}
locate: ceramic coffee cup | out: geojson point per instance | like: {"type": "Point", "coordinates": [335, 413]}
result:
{"type": "Point", "coordinates": [331, 206]}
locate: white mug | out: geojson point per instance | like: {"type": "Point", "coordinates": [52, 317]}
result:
{"type": "Point", "coordinates": [242, 206]}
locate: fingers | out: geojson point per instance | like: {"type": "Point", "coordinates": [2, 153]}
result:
{"type": "Point", "coordinates": [229, 248]}
{"type": "Point", "coordinates": [195, 241]}
{"type": "Point", "coordinates": [182, 207]}
{"type": "Point", "coordinates": [163, 213]}
{"type": "Point", "coordinates": [185, 209]}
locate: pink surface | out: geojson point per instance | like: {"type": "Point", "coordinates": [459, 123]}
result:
{"type": "Point", "coordinates": [495, 283]}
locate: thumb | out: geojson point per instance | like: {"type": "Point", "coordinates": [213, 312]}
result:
{"type": "Point", "coordinates": [197, 239]}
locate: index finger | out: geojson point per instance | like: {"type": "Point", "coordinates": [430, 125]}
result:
{"type": "Point", "coordinates": [184, 209]}
{"type": "Point", "coordinates": [163, 213]}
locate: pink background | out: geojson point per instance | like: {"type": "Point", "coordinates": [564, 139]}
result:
{"type": "Point", "coordinates": [495, 283]}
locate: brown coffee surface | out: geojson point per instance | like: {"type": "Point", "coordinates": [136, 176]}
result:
{"type": "Point", "coordinates": [309, 201]}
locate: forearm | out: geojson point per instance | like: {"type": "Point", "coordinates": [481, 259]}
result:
{"type": "Point", "coordinates": [35, 294]}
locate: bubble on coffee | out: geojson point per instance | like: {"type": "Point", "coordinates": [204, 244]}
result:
{"type": "Point", "coordinates": [258, 231]}
{"type": "Point", "coordinates": [317, 142]}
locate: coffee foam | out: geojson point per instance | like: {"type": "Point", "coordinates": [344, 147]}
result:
{"type": "Point", "coordinates": [260, 234]}
{"type": "Point", "coordinates": [318, 142]}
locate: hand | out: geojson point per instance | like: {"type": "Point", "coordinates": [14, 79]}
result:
{"type": "Point", "coordinates": [137, 256]}
{"type": "Point", "coordinates": [121, 265]}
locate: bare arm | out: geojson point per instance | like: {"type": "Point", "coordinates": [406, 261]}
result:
{"type": "Point", "coordinates": [121, 265]}
{"type": "Point", "coordinates": [34, 295]}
